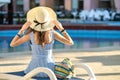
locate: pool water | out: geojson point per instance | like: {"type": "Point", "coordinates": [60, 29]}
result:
{"type": "Point", "coordinates": [83, 39]}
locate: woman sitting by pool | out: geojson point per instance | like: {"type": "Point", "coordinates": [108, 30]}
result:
{"type": "Point", "coordinates": [39, 31]}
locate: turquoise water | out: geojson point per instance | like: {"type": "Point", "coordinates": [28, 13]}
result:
{"type": "Point", "coordinates": [82, 39]}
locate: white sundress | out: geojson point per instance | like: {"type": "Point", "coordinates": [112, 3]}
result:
{"type": "Point", "coordinates": [41, 57]}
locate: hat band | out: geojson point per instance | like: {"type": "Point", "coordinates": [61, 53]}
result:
{"type": "Point", "coordinates": [38, 23]}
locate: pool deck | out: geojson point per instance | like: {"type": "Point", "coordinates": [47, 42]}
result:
{"type": "Point", "coordinates": [105, 64]}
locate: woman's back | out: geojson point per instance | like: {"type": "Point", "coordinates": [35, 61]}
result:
{"type": "Point", "coordinates": [41, 57]}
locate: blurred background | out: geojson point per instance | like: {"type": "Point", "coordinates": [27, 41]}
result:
{"type": "Point", "coordinates": [91, 23]}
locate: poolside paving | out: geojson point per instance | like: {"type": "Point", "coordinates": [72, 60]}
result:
{"type": "Point", "coordinates": [105, 64]}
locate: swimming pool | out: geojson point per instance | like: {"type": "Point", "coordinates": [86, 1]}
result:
{"type": "Point", "coordinates": [83, 39]}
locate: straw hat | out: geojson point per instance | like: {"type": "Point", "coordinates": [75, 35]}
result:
{"type": "Point", "coordinates": [41, 18]}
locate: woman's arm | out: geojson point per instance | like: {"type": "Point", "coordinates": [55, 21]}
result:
{"type": "Point", "coordinates": [64, 38]}
{"type": "Point", "coordinates": [17, 40]}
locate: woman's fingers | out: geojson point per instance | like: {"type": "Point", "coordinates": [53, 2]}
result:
{"type": "Point", "coordinates": [58, 25]}
{"type": "Point", "coordinates": [25, 26]}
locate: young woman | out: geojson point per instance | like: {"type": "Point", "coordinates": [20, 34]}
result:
{"type": "Point", "coordinates": [39, 30]}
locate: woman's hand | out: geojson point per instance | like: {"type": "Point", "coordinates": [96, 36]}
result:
{"type": "Point", "coordinates": [64, 38]}
{"type": "Point", "coordinates": [24, 27]}
{"type": "Point", "coordinates": [58, 25]}
{"type": "Point", "coordinates": [17, 40]}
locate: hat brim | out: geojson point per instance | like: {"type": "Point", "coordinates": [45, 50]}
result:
{"type": "Point", "coordinates": [49, 25]}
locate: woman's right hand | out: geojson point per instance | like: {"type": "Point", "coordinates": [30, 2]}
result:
{"type": "Point", "coordinates": [58, 25]}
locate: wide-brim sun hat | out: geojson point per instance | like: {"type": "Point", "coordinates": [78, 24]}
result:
{"type": "Point", "coordinates": [41, 18]}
